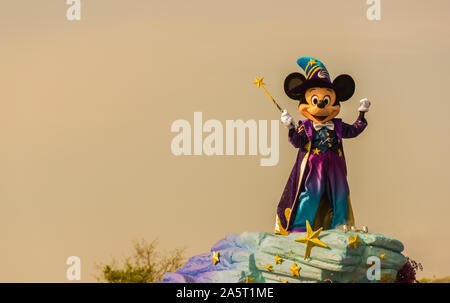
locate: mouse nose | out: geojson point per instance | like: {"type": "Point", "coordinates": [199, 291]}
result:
{"type": "Point", "coordinates": [321, 104]}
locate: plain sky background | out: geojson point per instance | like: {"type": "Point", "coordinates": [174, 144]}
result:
{"type": "Point", "coordinates": [86, 110]}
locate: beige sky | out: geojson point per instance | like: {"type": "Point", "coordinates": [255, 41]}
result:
{"type": "Point", "coordinates": [86, 110]}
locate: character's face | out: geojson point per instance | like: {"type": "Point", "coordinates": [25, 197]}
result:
{"type": "Point", "coordinates": [320, 107]}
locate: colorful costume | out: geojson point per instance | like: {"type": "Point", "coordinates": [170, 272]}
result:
{"type": "Point", "coordinates": [317, 190]}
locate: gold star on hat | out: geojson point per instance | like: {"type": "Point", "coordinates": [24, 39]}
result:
{"type": "Point", "coordinates": [312, 62]}
{"type": "Point", "coordinates": [311, 239]}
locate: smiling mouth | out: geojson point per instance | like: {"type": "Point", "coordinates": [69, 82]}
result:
{"type": "Point", "coordinates": [319, 118]}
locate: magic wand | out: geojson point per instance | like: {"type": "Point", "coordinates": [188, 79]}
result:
{"type": "Point", "coordinates": [259, 83]}
{"type": "Point", "coordinates": [284, 114]}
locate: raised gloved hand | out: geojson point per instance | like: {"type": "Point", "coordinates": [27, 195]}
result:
{"type": "Point", "coordinates": [365, 104]}
{"type": "Point", "coordinates": [287, 119]}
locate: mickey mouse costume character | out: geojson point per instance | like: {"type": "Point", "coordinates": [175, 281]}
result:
{"type": "Point", "coordinates": [317, 190]}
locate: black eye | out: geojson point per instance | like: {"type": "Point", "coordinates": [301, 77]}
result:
{"type": "Point", "coordinates": [326, 100]}
{"type": "Point", "coordinates": [314, 100]}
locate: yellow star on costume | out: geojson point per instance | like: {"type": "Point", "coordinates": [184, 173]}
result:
{"type": "Point", "coordinates": [269, 267]}
{"type": "Point", "coordinates": [259, 82]}
{"type": "Point", "coordinates": [249, 280]}
{"type": "Point", "coordinates": [316, 151]}
{"type": "Point", "coordinates": [353, 241]}
{"type": "Point", "coordinates": [295, 270]}
{"type": "Point", "coordinates": [215, 257]}
{"type": "Point", "coordinates": [278, 260]}
{"type": "Point", "coordinates": [385, 278]}
{"type": "Point", "coordinates": [340, 152]}
{"type": "Point", "coordinates": [383, 256]}
{"type": "Point", "coordinates": [311, 239]}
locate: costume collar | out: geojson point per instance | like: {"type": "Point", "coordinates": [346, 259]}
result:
{"type": "Point", "coordinates": [309, 127]}
{"type": "Point", "coordinates": [329, 124]}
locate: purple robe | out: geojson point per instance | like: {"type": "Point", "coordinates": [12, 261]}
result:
{"type": "Point", "coordinates": [301, 139]}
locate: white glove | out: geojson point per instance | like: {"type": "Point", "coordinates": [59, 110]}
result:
{"type": "Point", "coordinates": [287, 119]}
{"type": "Point", "coordinates": [365, 104]}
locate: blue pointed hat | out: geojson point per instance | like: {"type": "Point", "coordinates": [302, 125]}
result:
{"type": "Point", "coordinates": [316, 75]}
{"type": "Point", "coordinates": [314, 69]}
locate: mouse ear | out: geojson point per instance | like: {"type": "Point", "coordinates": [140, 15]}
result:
{"type": "Point", "coordinates": [292, 81]}
{"type": "Point", "coordinates": [344, 86]}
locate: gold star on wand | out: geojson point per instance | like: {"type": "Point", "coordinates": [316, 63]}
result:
{"type": "Point", "coordinates": [260, 84]}
{"type": "Point", "coordinates": [311, 239]}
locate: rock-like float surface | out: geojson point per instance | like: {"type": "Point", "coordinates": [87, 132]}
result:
{"type": "Point", "coordinates": [251, 257]}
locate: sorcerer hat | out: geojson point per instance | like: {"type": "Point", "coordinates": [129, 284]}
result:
{"type": "Point", "coordinates": [317, 75]}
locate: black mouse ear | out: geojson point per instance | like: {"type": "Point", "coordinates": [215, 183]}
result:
{"type": "Point", "coordinates": [344, 86]}
{"type": "Point", "coordinates": [293, 80]}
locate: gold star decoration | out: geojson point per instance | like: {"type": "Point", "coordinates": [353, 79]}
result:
{"type": "Point", "coordinates": [383, 256]}
{"type": "Point", "coordinates": [311, 239]}
{"type": "Point", "coordinates": [312, 62]}
{"type": "Point", "coordinates": [215, 257]}
{"type": "Point", "coordinates": [269, 267]}
{"type": "Point", "coordinates": [353, 241]}
{"type": "Point", "coordinates": [295, 270]}
{"type": "Point", "coordinates": [284, 281]}
{"type": "Point", "coordinates": [278, 260]}
{"type": "Point", "coordinates": [340, 152]}
{"type": "Point", "coordinates": [316, 151]}
{"type": "Point", "coordinates": [385, 278]}
{"type": "Point", "coordinates": [249, 280]}
{"type": "Point", "coordinates": [259, 82]}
